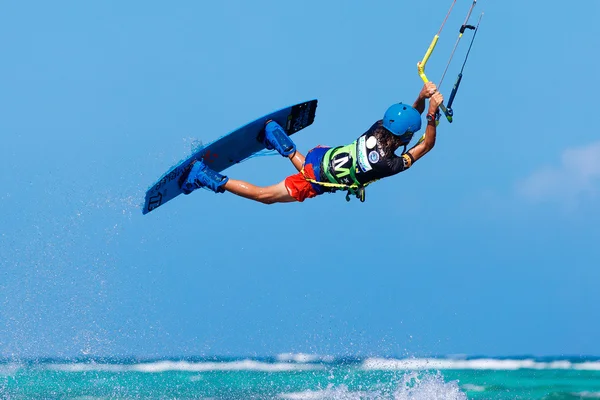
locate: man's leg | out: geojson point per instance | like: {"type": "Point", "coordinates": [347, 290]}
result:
{"type": "Point", "coordinates": [275, 138]}
{"type": "Point", "coordinates": [297, 159]}
{"type": "Point", "coordinates": [267, 195]}
{"type": "Point", "coordinates": [270, 194]}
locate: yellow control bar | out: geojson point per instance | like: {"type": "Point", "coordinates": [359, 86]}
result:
{"type": "Point", "coordinates": [423, 62]}
{"type": "Point", "coordinates": [421, 68]}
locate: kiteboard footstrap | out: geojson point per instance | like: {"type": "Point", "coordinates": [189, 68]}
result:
{"type": "Point", "coordinates": [199, 176]}
{"type": "Point", "coordinates": [275, 138]}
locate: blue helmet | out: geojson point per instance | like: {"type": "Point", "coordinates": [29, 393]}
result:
{"type": "Point", "coordinates": [402, 120]}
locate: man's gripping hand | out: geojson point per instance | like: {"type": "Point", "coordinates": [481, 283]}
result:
{"type": "Point", "coordinates": [428, 90]}
{"type": "Point", "coordinates": [434, 103]}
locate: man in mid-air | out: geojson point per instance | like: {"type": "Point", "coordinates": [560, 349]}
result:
{"type": "Point", "coordinates": [327, 169]}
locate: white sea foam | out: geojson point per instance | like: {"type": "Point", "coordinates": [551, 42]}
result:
{"type": "Point", "coordinates": [587, 395]}
{"type": "Point", "coordinates": [162, 366]}
{"type": "Point", "coordinates": [306, 395]}
{"type": "Point", "coordinates": [473, 388]}
{"type": "Point", "coordinates": [412, 386]}
{"type": "Point", "coordinates": [243, 365]}
{"type": "Point", "coordinates": [9, 369]}
{"type": "Point", "coordinates": [303, 362]}
{"type": "Point", "coordinates": [87, 367]}
{"type": "Point", "coordinates": [303, 358]}
{"type": "Point", "coordinates": [587, 366]}
{"type": "Point", "coordinates": [331, 393]}
{"type": "Point", "coordinates": [416, 386]}
{"type": "Point", "coordinates": [410, 364]}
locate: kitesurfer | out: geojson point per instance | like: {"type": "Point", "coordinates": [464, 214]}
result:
{"type": "Point", "coordinates": [328, 169]}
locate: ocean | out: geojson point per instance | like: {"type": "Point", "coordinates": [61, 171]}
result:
{"type": "Point", "coordinates": [302, 377]}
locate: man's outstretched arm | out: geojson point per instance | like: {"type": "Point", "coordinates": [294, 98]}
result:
{"type": "Point", "coordinates": [430, 132]}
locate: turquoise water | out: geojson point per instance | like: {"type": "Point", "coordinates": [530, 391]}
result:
{"type": "Point", "coordinates": [301, 377]}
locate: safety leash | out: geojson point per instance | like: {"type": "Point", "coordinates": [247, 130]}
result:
{"type": "Point", "coordinates": [449, 110]}
{"type": "Point", "coordinates": [464, 27]}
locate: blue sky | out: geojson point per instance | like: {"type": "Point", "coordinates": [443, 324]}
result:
{"type": "Point", "coordinates": [487, 246]}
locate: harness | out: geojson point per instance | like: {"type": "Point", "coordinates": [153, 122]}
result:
{"type": "Point", "coordinates": [338, 170]}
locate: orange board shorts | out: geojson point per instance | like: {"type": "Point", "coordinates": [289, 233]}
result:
{"type": "Point", "coordinates": [297, 185]}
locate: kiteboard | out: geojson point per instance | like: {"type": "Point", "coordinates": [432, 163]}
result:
{"type": "Point", "coordinates": [230, 149]}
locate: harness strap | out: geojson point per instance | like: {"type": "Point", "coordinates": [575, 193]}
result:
{"type": "Point", "coordinates": [355, 189]}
